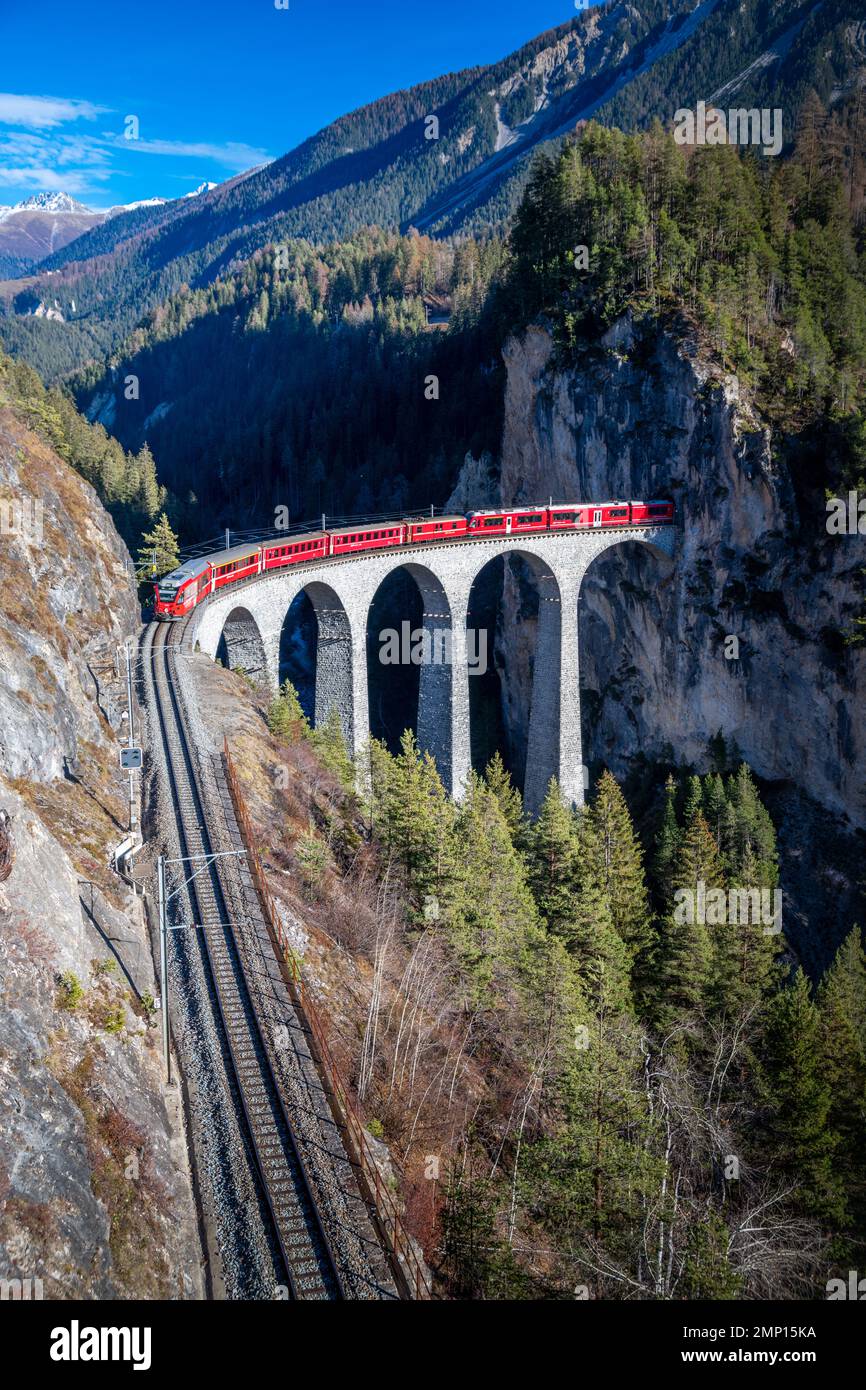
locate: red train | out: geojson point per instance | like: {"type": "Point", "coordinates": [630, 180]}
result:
{"type": "Point", "coordinates": [179, 592]}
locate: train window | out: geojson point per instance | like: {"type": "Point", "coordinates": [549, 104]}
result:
{"type": "Point", "coordinates": [493, 521]}
{"type": "Point", "coordinates": [566, 518]}
{"type": "Point", "coordinates": [528, 520]}
{"type": "Point", "coordinates": [620, 511]}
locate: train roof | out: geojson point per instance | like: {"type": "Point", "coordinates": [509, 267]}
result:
{"type": "Point", "coordinates": [294, 539]}
{"type": "Point", "coordinates": [190, 570]}
{"type": "Point", "coordinates": [366, 526]}
{"type": "Point", "coordinates": [237, 552]}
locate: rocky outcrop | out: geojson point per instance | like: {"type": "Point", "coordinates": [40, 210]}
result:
{"type": "Point", "coordinates": [644, 414]}
{"type": "Point", "coordinates": [95, 1197]}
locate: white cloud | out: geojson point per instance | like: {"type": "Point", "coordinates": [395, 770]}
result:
{"type": "Point", "coordinates": [74, 164]}
{"type": "Point", "coordinates": [233, 155]}
{"type": "Point", "coordinates": [36, 155]}
{"type": "Point", "coordinates": [45, 113]}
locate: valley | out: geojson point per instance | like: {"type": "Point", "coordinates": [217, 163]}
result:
{"type": "Point", "coordinates": [476, 489]}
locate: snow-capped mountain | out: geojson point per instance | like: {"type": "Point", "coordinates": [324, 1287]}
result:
{"type": "Point", "coordinates": [50, 202]}
{"type": "Point", "coordinates": [133, 207]}
{"type": "Point", "coordinates": [202, 188]}
{"type": "Point", "coordinates": [40, 224]}
{"type": "Point", "coordinates": [48, 221]}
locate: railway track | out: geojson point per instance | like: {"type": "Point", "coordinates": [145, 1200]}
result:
{"type": "Point", "coordinates": [313, 1268]}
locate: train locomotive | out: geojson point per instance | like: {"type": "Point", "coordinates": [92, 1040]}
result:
{"type": "Point", "coordinates": [181, 591]}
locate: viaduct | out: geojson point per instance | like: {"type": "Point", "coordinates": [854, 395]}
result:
{"type": "Point", "coordinates": [251, 620]}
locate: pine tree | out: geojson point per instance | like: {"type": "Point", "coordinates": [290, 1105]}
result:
{"type": "Point", "coordinates": [751, 831]}
{"type": "Point", "coordinates": [620, 866]}
{"type": "Point", "coordinates": [841, 1001]}
{"type": "Point", "coordinates": [419, 822]}
{"type": "Point", "coordinates": [715, 807]}
{"type": "Point", "coordinates": [600, 955]}
{"type": "Point", "coordinates": [683, 962]}
{"type": "Point", "coordinates": [802, 1144]}
{"type": "Point", "coordinates": [694, 799]}
{"type": "Point", "coordinates": [286, 719]}
{"type": "Point", "coordinates": [158, 554]}
{"type": "Point", "coordinates": [330, 744]}
{"type": "Point", "coordinates": [498, 779]}
{"type": "Point", "coordinates": [745, 947]}
{"type": "Point", "coordinates": [552, 855]}
{"type": "Point", "coordinates": [150, 495]}
{"type": "Point", "coordinates": [493, 908]}
{"type": "Point", "coordinates": [667, 844]}
{"type": "Point", "coordinates": [707, 1272]}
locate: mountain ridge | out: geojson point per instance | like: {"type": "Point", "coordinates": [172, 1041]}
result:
{"type": "Point", "coordinates": [448, 157]}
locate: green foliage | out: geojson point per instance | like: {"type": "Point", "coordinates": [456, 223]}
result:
{"type": "Point", "coordinates": [802, 1142]}
{"type": "Point", "coordinates": [762, 255]}
{"type": "Point", "coordinates": [499, 781]}
{"type": "Point", "coordinates": [70, 992]}
{"type": "Point", "coordinates": [158, 553]}
{"type": "Point", "coordinates": [277, 332]}
{"type": "Point", "coordinates": [619, 866]}
{"type": "Point", "coordinates": [707, 1272]}
{"type": "Point", "coordinates": [415, 820]}
{"type": "Point", "coordinates": [114, 1019]}
{"type": "Point", "coordinates": [841, 1001]}
{"type": "Point", "coordinates": [330, 744]}
{"type": "Point", "coordinates": [125, 481]}
{"type": "Point", "coordinates": [478, 1262]}
{"type": "Point", "coordinates": [286, 719]}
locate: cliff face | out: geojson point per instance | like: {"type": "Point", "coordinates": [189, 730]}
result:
{"type": "Point", "coordinates": [95, 1199]}
{"type": "Point", "coordinates": [645, 416]}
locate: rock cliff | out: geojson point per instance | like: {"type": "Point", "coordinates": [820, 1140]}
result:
{"type": "Point", "coordinates": [645, 414]}
{"type": "Point", "coordinates": [95, 1198]}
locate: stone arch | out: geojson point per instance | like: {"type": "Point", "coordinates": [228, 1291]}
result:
{"type": "Point", "coordinates": [240, 645]}
{"type": "Point", "coordinates": [614, 606]}
{"type": "Point", "coordinates": [431, 647]}
{"type": "Point", "coordinates": [542, 623]}
{"type": "Point", "coordinates": [334, 675]}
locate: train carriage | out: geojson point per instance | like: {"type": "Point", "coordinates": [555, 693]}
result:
{"type": "Point", "coordinates": [241, 562]}
{"type": "Point", "coordinates": [353, 540]}
{"type": "Point", "coordinates": [295, 551]}
{"type": "Point", "coordinates": [179, 592]}
{"type": "Point", "coordinates": [438, 528]}
{"type": "Point", "coordinates": [651, 513]}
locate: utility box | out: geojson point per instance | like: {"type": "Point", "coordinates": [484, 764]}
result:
{"type": "Point", "coordinates": [131, 759]}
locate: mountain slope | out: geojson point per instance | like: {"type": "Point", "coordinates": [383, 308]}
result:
{"type": "Point", "coordinates": [377, 166]}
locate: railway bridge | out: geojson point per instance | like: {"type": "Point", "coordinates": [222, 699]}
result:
{"type": "Point", "coordinates": [250, 619]}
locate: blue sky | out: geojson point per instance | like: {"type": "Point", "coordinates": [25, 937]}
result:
{"type": "Point", "coordinates": [216, 87]}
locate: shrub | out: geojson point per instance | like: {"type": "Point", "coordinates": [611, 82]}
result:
{"type": "Point", "coordinates": [115, 1019]}
{"type": "Point", "coordinates": [71, 991]}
